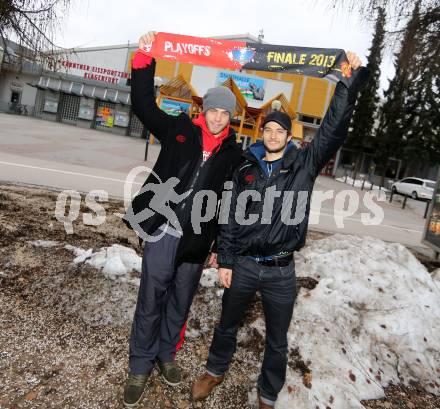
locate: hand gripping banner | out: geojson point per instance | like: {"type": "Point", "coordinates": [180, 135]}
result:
{"type": "Point", "coordinates": [315, 62]}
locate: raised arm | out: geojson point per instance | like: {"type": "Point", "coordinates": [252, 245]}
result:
{"type": "Point", "coordinates": [143, 97]}
{"type": "Point", "coordinates": [334, 127]}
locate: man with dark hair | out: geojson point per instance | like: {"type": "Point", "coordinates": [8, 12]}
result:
{"type": "Point", "coordinates": [199, 154]}
{"type": "Point", "coordinates": [258, 256]}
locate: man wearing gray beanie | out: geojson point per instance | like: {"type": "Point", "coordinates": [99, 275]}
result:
{"type": "Point", "coordinates": [221, 98]}
{"type": "Point", "coordinates": [201, 154]}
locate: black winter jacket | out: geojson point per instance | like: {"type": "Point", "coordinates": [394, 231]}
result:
{"type": "Point", "coordinates": [270, 234]}
{"type": "Point", "coordinates": [181, 157]}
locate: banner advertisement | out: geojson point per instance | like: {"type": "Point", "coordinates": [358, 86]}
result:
{"type": "Point", "coordinates": [315, 62]}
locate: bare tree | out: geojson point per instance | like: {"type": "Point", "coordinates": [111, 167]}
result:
{"type": "Point", "coordinates": [32, 24]}
{"type": "Point", "coordinates": [397, 9]}
{"type": "Point", "coordinates": [398, 13]}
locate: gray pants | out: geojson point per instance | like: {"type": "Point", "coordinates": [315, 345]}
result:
{"type": "Point", "coordinates": [164, 299]}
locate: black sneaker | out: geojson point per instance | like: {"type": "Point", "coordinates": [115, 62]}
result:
{"type": "Point", "coordinates": [134, 389]}
{"type": "Point", "coordinates": [171, 373]}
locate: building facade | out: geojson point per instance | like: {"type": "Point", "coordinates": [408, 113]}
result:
{"type": "Point", "coordinates": [90, 87]}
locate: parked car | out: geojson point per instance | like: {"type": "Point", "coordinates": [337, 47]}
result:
{"type": "Point", "coordinates": [414, 187]}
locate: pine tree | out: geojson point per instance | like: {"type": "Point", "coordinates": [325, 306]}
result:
{"type": "Point", "coordinates": [409, 127]}
{"type": "Point", "coordinates": [393, 120]}
{"type": "Point", "coordinates": [421, 139]}
{"type": "Point", "coordinates": [365, 114]}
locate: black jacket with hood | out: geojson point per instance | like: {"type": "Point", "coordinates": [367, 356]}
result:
{"type": "Point", "coordinates": [275, 231]}
{"type": "Point", "coordinates": [181, 157]}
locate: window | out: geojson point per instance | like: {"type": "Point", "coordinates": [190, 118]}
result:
{"type": "Point", "coordinates": [15, 97]}
{"type": "Point", "coordinates": [413, 181]}
{"type": "Point", "coordinates": [86, 109]}
{"type": "Point", "coordinates": [309, 134]}
{"type": "Point", "coordinates": [70, 107]}
{"type": "Point", "coordinates": [309, 119]}
{"type": "Point", "coordinates": [50, 105]}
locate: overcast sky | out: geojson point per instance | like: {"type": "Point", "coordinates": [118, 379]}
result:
{"type": "Point", "coordinates": [290, 22]}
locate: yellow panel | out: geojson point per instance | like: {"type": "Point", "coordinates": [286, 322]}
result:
{"type": "Point", "coordinates": [291, 77]}
{"type": "Point", "coordinates": [165, 68]}
{"type": "Point", "coordinates": [130, 61]}
{"type": "Point", "coordinates": [297, 81]}
{"type": "Point", "coordinates": [270, 75]}
{"type": "Point", "coordinates": [186, 71]}
{"type": "Point", "coordinates": [314, 98]}
{"type": "Point", "coordinates": [298, 130]}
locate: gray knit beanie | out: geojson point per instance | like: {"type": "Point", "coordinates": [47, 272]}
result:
{"type": "Point", "coordinates": [219, 97]}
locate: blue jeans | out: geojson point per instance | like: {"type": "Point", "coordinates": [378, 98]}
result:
{"type": "Point", "coordinates": [277, 286]}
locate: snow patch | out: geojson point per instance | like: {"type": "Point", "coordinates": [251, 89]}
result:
{"type": "Point", "coordinates": [436, 277]}
{"type": "Point", "coordinates": [81, 255]}
{"type": "Point", "coordinates": [209, 277]}
{"type": "Point", "coordinates": [372, 320]}
{"type": "Point", "coordinates": [260, 326]}
{"type": "Point", "coordinates": [44, 243]}
{"type": "Point", "coordinates": [115, 262]}
{"type": "Point", "coordinates": [192, 333]}
{"type": "Point", "coordinates": [359, 182]}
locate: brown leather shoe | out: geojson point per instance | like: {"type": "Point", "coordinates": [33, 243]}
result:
{"type": "Point", "coordinates": [262, 405]}
{"type": "Point", "coordinates": [204, 386]}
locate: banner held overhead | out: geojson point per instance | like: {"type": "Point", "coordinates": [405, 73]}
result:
{"type": "Point", "coordinates": [315, 62]}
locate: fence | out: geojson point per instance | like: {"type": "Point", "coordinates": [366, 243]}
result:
{"type": "Point", "coordinates": [365, 179]}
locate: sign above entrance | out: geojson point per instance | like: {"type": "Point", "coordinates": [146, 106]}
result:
{"type": "Point", "coordinates": [316, 62]}
{"type": "Point", "coordinates": [92, 72]}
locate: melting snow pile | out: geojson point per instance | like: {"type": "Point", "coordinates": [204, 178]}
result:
{"type": "Point", "coordinates": [373, 319]}
{"type": "Point", "coordinates": [436, 276]}
{"type": "Point", "coordinates": [115, 262]}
